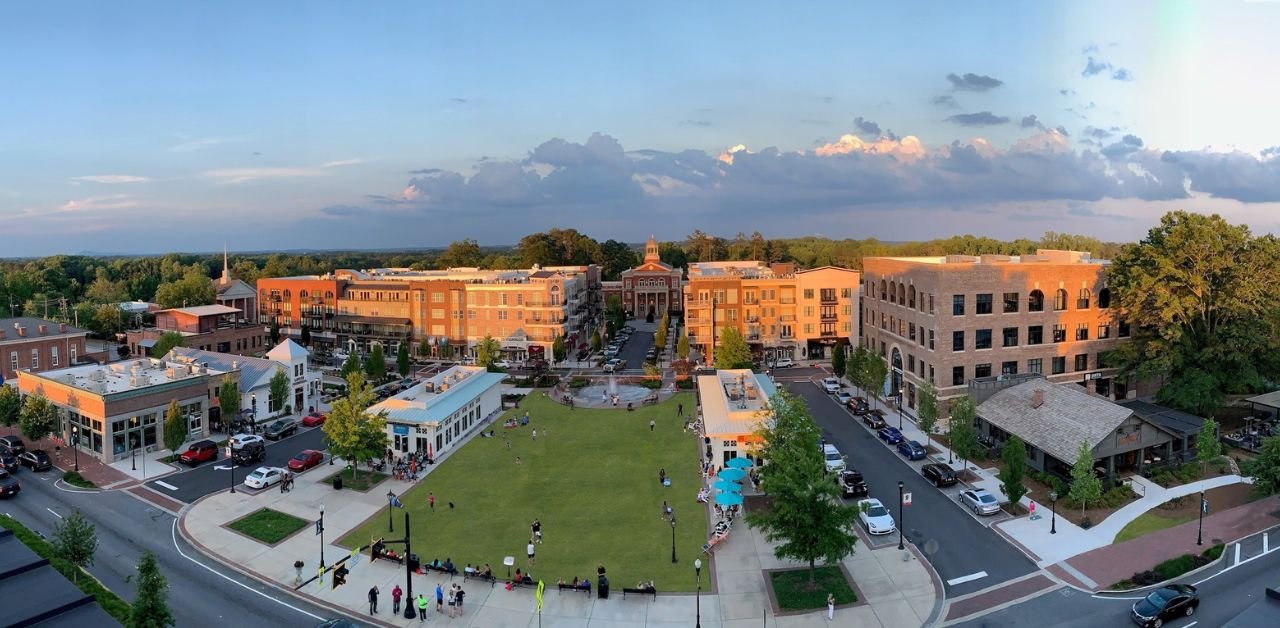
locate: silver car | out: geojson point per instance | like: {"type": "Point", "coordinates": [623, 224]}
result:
{"type": "Point", "coordinates": [980, 501]}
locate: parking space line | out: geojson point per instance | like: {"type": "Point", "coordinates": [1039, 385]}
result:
{"type": "Point", "coordinates": [54, 513]}
{"type": "Point", "coordinates": [166, 485]}
{"type": "Point", "coordinates": [969, 578]}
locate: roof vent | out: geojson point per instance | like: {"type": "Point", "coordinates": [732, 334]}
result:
{"type": "Point", "coordinates": [1037, 398]}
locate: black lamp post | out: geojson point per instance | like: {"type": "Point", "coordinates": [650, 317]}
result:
{"type": "Point", "coordinates": [899, 409]}
{"type": "Point", "coordinates": [75, 431]}
{"type": "Point", "coordinates": [697, 578]}
{"type": "Point", "coordinates": [321, 524]}
{"type": "Point", "coordinates": [1053, 507]}
{"type": "Point", "coordinates": [133, 454]}
{"type": "Point", "coordinates": [1204, 505]}
{"type": "Point", "coordinates": [673, 537]}
{"type": "Point", "coordinates": [901, 520]}
{"type": "Point", "coordinates": [391, 526]}
{"type": "Point", "coordinates": [231, 459]}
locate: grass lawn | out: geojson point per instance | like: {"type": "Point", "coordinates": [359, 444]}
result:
{"type": "Point", "coordinates": [75, 479]}
{"type": "Point", "coordinates": [592, 480]}
{"type": "Point", "coordinates": [793, 591]}
{"type": "Point", "coordinates": [1149, 522]}
{"type": "Point", "coordinates": [362, 480]}
{"type": "Point", "coordinates": [267, 525]}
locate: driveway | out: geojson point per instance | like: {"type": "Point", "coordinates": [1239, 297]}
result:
{"type": "Point", "coordinates": [214, 475]}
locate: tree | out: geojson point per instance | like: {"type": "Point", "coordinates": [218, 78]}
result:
{"type": "Point", "coordinates": [175, 427]}
{"type": "Point", "coordinates": [1207, 445]}
{"type": "Point", "coordinates": [1265, 468]}
{"type": "Point", "coordinates": [306, 336]}
{"type": "Point", "coordinates": [424, 348]}
{"type": "Point", "coordinates": [278, 391]}
{"type": "Point", "coordinates": [596, 342]}
{"type": "Point", "coordinates": [1015, 467]}
{"type": "Point", "coordinates": [1199, 295]}
{"type": "Point", "coordinates": [352, 365]}
{"type": "Point", "coordinates": [962, 436]}
{"type": "Point", "coordinates": [10, 405]}
{"type": "Point", "coordinates": [838, 360]}
{"type": "Point", "coordinates": [660, 338]}
{"type": "Point", "coordinates": [807, 521]}
{"type": "Point", "coordinates": [39, 418]}
{"type": "Point", "coordinates": [150, 607]}
{"type": "Point", "coordinates": [876, 372]}
{"type": "Point", "coordinates": [682, 347]}
{"type": "Point", "coordinates": [558, 351]}
{"type": "Point", "coordinates": [194, 288]}
{"type": "Point", "coordinates": [614, 314]}
{"type": "Point", "coordinates": [108, 319]}
{"type": "Point", "coordinates": [927, 412]}
{"type": "Point", "coordinates": [352, 433]}
{"type": "Point", "coordinates": [402, 360]}
{"type": "Point", "coordinates": [487, 352]}
{"type": "Point", "coordinates": [1085, 485]}
{"type": "Point", "coordinates": [166, 342]}
{"type": "Point", "coordinates": [733, 352]}
{"type": "Point", "coordinates": [461, 253]}
{"type": "Point", "coordinates": [123, 351]}
{"type": "Point", "coordinates": [855, 367]}
{"type": "Point", "coordinates": [375, 364]}
{"type": "Point", "coordinates": [229, 398]}
{"type": "Point", "coordinates": [273, 334]}
{"type": "Point", "coordinates": [103, 290]}
{"type": "Point", "coordinates": [75, 540]}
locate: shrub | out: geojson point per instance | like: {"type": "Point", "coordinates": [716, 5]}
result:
{"type": "Point", "coordinates": [1172, 568]}
{"type": "Point", "coordinates": [579, 382]}
{"type": "Point", "coordinates": [684, 384]}
{"type": "Point", "coordinates": [651, 384]}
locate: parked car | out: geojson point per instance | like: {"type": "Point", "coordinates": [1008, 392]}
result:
{"type": "Point", "coordinates": [1166, 603]}
{"type": "Point", "coordinates": [939, 474]}
{"type": "Point", "coordinates": [875, 517]}
{"type": "Point", "coordinates": [852, 484]}
{"type": "Point", "coordinates": [843, 398]}
{"type": "Point", "coordinates": [614, 365]}
{"type": "Point", "coordinates": [891, 435]}
{"type": "Point", "coordinates": [239, 440]}
{"type": "Point", "coordinates": [784, 363]}
{"type": "Point", "coordinates": [12, 445]}
{"type": "Point", "coordinates": [199, 451]}
{"type": "Point", "coordinates": [874, 419]}
{"type": "Point", "coordinates": [9, 485]}
{"type": "Point", "coordinates": [858, 405]}
{"type": "Point", "coordinates": [305, 459]}
{"type": "Point", "coordinates": [502, 364]}
{"type": "Point", "coordinates": [252, 452]}
{"type": "Point", "coordinates": [583, 354]}
{"type": "Point", "coordinates": [980, 501]}
{"type": "Point", "coordinates": [36, 460]}
{"type": "Point", "coordinates": [263, 477]}
{"type": "Point", "coordinates": [911, 450]}
{"type": "Point", "coordinates": [313, 419]}
{"type": "Point", "coordinates": [281, 428]}
{"type": "Point", "coordinates": [832, 458]}
{"type": "Point", "coordinates": [9, 462]}
{"type": "Point", "coordinates": [831, 385]}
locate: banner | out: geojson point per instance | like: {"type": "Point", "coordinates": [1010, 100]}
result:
{"type": "Point", "coordinates": [320, 576]}
{"type": "Point", "coordinates": [541, 586]}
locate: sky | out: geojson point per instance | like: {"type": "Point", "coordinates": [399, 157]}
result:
{"type": "Point", "coordinates": [147, 127]}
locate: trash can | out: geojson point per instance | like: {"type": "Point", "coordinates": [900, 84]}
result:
{"type": "Point", "coordinates": [337, 482]}
{"type": "Point", "coordinates": [603, 588]}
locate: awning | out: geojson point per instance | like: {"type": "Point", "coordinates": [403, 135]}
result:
{"type": "Point", "coordinates": [148, 343]}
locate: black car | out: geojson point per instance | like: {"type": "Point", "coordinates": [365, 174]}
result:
{"type": "Point", "coordinates": [8, 484]}
{"type": "Point", "coordinates": [12, 445]}
{"type": "Point", "coordinates": [280, 429]}
{"type": "Point", "coordinates": [874, 419]}
{"type": "Point", "coordinates": [9, 462]}
{"type": "Point", "coordinates": [858, 405]}
{"type": "Point", "coordinates": [251, 452]}
{"type": "Point", "coordinates": [939, 474]}
{"type": "Point", "coordinates": [1165, 603]}
{"type": "Point", "coordinates": [36, 460]}
{"type": "Point", "coordinates": [852, 484]}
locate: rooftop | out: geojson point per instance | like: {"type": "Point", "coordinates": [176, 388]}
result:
{"type": "Point", "coordinates": [434, 399]}
{"type": "Point", "coordinates": [252, 370]}
{"type": "Point", "coordinates": [750, 269]}
{"type": "Point", "coordinates": [1066, 416]}
{"type": "Point", "coordinates": [204, 310]}
{"type": "Point", "coordinates": [733, 400]}
{"type": "Point", "coordinates": [30, 326]}
{"type": "Point", "coordinates": [1041, 256]}
{"type": "Point", "coordinates": [125, 376]}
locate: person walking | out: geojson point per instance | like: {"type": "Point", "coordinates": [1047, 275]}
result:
{"type": "Point", "coordinates": [679, 409]}
{"type": "Point", "coordinates": [537, 530]}
{"type": "Point", "coordinates": [422, 607]}
{"type": "Point", "coordinates": [373, 600]}
{"type": "Point", "coordinates": [453, 599]}
{"type": "Point", "coordinates": [396, 594]}
{"type": "Point", "coordinates": [651, 424]}
{"type": "Point", "coordinates": [530, 548]}
{"type": "Point", "coordinates": [461, 594]}
{"type": "Point", "coordinates": [831, 606]}
{"type": "Point", "coordinates": [431, 501]}
{"type": "Point", "coordinates": [535, 433]}
{"type": "Point", "coordinates": [439, 599]}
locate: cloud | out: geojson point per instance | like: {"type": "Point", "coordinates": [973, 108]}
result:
{"type": "Point", "coordinates": [342, 162]}
{"type": "Point", "coordinates": [982, 118]}
{"type": "Point", "coordinates": [1031, 122]}
{"type": "Point", "coordinates": [1127, 144]}
{"type": "Point", "coordinates": [946, 101]}
{"type": "Point", "coordinates": [907, 149]}
{"type": "Point", "coordinates": [1097, 133]}
{"type": "Point", "coordinates": [1067, 92]}
{"type": "Point", "coordinates": [201, 143]}
{"type": "Point", "coordinates": [99, 203]}
{"type": "Point", "coordinates": [111, 178]}
{"type": "Point", "coordinates": [243, 175]}
{"type": "Point", "coordinates": [458, 100]}
{"type": "Point", "coordinates": [971, 82]}
{"type": "Point", "coordinates": [1094, 66]}
{"type": "Point", "coordinates": [866, 127]}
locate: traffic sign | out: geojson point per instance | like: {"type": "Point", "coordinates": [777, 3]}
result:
{"type": "Point", "coordinates": [906, 499]}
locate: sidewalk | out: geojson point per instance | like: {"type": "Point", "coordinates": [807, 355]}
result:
{"type": "Point", "coordinates": [91, 467]}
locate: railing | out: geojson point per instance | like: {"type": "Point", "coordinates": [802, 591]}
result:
{"type": "Point", "coordinates": [828, 317]}
{"type": "Point", "coordinates": [828, 299]}
{"type": "Point", "coordinates": [787, 300]}
{"type": "Point", "coordinates": [828, 334]}
{"type": "Point", "coordinates": [787, 318]}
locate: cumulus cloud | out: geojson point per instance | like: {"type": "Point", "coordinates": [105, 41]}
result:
{"type": "Point", "coordinates": [946, 101]}
{"type": "Point", "coordinates": [970, 82]}
{"type": "Point", "coordinates": [1031, 122]}
{"type": "Point", "coordinates": [866, 127]}
{"type": "Point", "coordinates": [981, 118]}
{"type": "Point", "coordinates": [1097, 133]}
{"type": "Point", "coordinates": [111, 179]}
{"type": "Point", "coordinates": [1094, 66]}
{"type": "Point", "coordinates": [1127, 144]}
{"type": "Point", "coordinates": [907, 148]}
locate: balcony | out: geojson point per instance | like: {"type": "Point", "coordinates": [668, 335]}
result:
{"type": "Point", "coordinates": [753, 319]}
{"type": "Point", "coordinates": [828, 333]}
{"type": "Point", "coordinates": [787, 300]}
{"type": "Point", "coordinates": [787, 318]}
{"type": "Point", "coordinates": [827, 317]}
{"type": "Point", "coordinates": [827, 299]}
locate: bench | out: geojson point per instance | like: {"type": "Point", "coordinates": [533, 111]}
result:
{"type": "Point", "coordinates": [653, 592]}
{"type": "Point", "coordinates": [586, 589]}
{"type": "Point", "coordinates": [450, 572]}
{"type": "Point", "coordinates": [478, 576]}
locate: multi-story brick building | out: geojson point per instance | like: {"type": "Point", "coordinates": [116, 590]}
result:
{"type": "Point", "coordinates": [955, 318]}
{"type": "Point", "coordinates": [352, 309]}
{"type": "Point", "coordinates": [36, 345]}
{"type": "Point", "coordinates": [206, 327]}
{"type": "Point", "coordinates": [653, 287]}
{"type": "Point", "coordinates": [782, 312]}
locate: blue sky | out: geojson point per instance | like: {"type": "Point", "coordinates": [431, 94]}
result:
{"type": "Point", "coordinates": [149, 127]}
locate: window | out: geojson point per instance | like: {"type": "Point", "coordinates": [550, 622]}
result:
{"type": "Point", "coordinates": [1010, 337]}
{"type": "Point", "coordinates": [1035, 365]}
{"type": "Point", "coordinates": [911, 363]}
{"type": "Point", "coordinates": [1123, 330]}
{"type": "Point", "coordinates": [808, 293]}
{"type": "Point", "coordinates": [13, 361]}
{"type": "Point", "coordinates": [1082, 361]}
{"type": "Point", "coordinates": [957, 376]}
{"type": "Point", "coordinates": [73, 355]}
{"type": "Point", "coordinates": [1059, 333]}
{"type": "Point", "coordinates": [1035, 335]}
{"type": "Point", "coordinates": [931, 340]}
{"type": "Point", "coordinates": [893, 292]}
{"type": "Point", "coordinates": [984, 304]}
{"type": "Point", "coordinates": [902, 294]}
{"type": "Point", "coordinates": [911, 297]}
{"type": "Point", "coordinates": [1035, 301]}
{"type": "Point", "coordinates": [982, 370]}
{"type": "Point", "coordinates": [883, 289]}
{"type": "Point", "coordinates": [1082, 299]}
{"type": "Point", "coordinates": [35, 359]}
{"type": "Point", "coordinates": [53, 356]}
{"type": "Point", "coordinates": [1060, 300]}
{"type": "Point", "coordinates": [1082, 331]}
{"type": "Point", "coordinates": [845, 293]}
{"type": "Point", "coordinates": [982, 339]}
{"type": "Point", "coordinates": [957, 305]}
{"type": "Point", "coordinates": [1009, 368]}
{"type": "Point", "coordinates": [911, 331]}
{"type": "Point", "coordinates": [930, 304]}
{"type": "Point", "coordinates": [1010, 302]}
{"type": "Point", "coordinates": [957, 341]}
{"type": "Point", "coordinates": [1104, 298]}
{"type": "Point", "coordinates": [931, 373]}
{"type": "Point", "coordinates": [1059, 365]}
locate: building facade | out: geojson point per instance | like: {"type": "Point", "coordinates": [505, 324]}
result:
{"type": "Point", "coordinates": [782, 312]}
{"type": "Point", "coordinates": [111, 411]}
{"type": "Point", "coordinates": [255, 377]}
{"type": "Point", "coordinates": [206, 327]}
{"type": "Point", "coordinates": [235, 293]}
{"type": "Point", "coordinates": [955, 318]}
{"type": "Point", "coordinates": [731, 404]}
{"type": "Point", "coordinates": [652, 288]}
{"type": "Point", "coordinates": [36, 345]}
{"type": "Point", "coordinates": [438, 413]}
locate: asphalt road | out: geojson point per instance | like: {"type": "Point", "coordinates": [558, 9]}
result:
{"type": "Point", "coordinates": [202, 592]}
{"type": "Point", "coordinates": [957, 543]}
{"type": "Point", "coordinates": [635, 348]}
{"type": "Point", "coordinates": [195, 483]}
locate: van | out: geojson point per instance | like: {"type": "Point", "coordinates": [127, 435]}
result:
{"type": "Point", "coordinates": [833, 458]}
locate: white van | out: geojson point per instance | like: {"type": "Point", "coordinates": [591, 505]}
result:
{"type": "Point", "coordinates": [832, 458]}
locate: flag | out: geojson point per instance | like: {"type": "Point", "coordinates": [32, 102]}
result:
{"type": "Point", "coordinates": [320, 576]}
{"type": "Point", "coordinates": [355, 558]}
{"type": "Point", "coordinates": [541, 586]}
{"type": "Point", "coordinates": [395, 501]}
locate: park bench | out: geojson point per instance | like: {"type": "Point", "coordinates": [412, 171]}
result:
{"type": "Point", "coordinates": [586, 589]}
{"type": "Point", "coordinates": [649, 591]}
{"type": "Point", "coordinates": [440, 569]}
{"type": "Point", "coordinates": [478, 576]}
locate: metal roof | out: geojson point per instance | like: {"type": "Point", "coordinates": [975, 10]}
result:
{"type": "Point", "coordinates": [253, 371]}
{"type": "Point", "coordinates": [1176, 421]}
{"type": "Point", "coordinates": [1271, 399]}
{"type": "Point", "coordinates": [419, 405]}
{"type": "Point", "coordinates": [204, 310]}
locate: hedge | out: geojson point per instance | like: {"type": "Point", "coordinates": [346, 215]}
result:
{"type": "Point", "coordinates": [1170, 569]}
{"type": "Point", "coordinates": [109, 601]}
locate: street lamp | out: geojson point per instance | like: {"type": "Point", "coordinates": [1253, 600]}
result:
{"type": "Point", "coordinates": [133, 454]}
{"type": "Point", "coordinates": [1053, 507]}
{"type": "Point", "coordinates": [231, 459]}
{"type": "Point", "coordinates": [901, 521]}
{"type": "Point", "coordinates": [321, 523]}
{"type": "Point", "coordinates": [899, 409]}
{"type": "Point", "coordinates": [697, 578]}
{"type": "Point", "coordinates": [391, 526]}
{"type": "Point", "coordinates": [75, 431]}
{"type": "Point", "coordinates": [673, 537]}
{"type": "Point", "coordinates": [1200, 531]}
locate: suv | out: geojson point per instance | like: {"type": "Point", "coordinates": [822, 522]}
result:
{"type": "Point", "coordinates": [8, 484]}
{"type": "Point", "coordinates": [281, 428]}
{"type": "Point", "coordinates": [11, 445]}
{"type": "Point", "coordinates": [252, 452]}
{"type": "Point", "coordinates": [858, 405]}
{"type": "Point", "coordinates": [852, 484]}
{"type": "Point", "coordinates": [874, 419]}
{"type": "Point", "coordinates": [831, 385]}
{"type": "Point", "coordinates": [832, 458]}
{"type": "Point", "coordinates": [784, 363]}
{"type": "Point", "coordinates": [199, 451]}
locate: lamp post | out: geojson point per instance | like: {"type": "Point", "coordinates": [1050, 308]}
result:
{"type": "Point", "coordinates": [673, 537]}
{"type": "Point", "coordinates": [901, 520]}
{"type": "Point", "coordinates": [133, 455]}
{"type": "Point", "coordinates": [231, 459]}
{"type": "Point", "coordinates": [75, 432]}
{"type": "Point", "coordinates": [1204, 505]}
{"type": "Point", "coordinates": [697, 600]}
{"type": "Point", "coordinates": [391, 526]}
{"type": "Point", "coordinates": [321, 524]}
{"type": "Point", "coordinates": [1053, 507]}
{"type": "Point", "coordinates": [408, 571]}
{"type": "Point", "coordinates": [899, 409]}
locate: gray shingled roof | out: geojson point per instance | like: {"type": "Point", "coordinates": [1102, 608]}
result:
{"type": "Point", "coordinates": [253, 371]}
{"type": "Point", "coordinates": [1068, 416]}
{"type": "Point", "coordinates": [33, 328]}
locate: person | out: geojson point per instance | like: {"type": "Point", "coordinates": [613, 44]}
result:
{"type": "Point", "coordinates": [651, 424]}
{"type": "Point", "coordinates": [488, 571]}
{"type": "Point", "coordinates": [517, 459]}
{"type": "Point", "coordinates": [460, 594]}
{"type": "Point", "coordinates": [519, 578]}
{"type": "Point", "coordinates": [448, 566]}
{"type": "Point", "coordinates": [537, 530]}
{"type": "Point", "coordinates": [575, 582]}
{"type": "Point", "coordinates": [373, 600]}
{"type": "Point", "coordinates": [530, 548]}
{"type": "Point", "coordinates": [600, 570]}
{"type": "Point", "coordinates": [468, 570]}
{"type": "Point", "coordinates": [662, 476]}
{"type": "Point", "coordinates": [666, 509]}
{"type": "Point", "coordinates": [831, 606]}
{"type": "Point", "coordinates": [431, 501]}
{"type": "Point", "coordinates": [535, 433]}
{"type": "Point", "coordinates": [422, 607]}
{"type": "Point", "coordinates": [396, 593]}
{"type": "Point", "coordinates": [679, 409]}
{"type": "Point", "coordinates": [439, 598]}
{"type": "Point", "coordinates": [453, 599]}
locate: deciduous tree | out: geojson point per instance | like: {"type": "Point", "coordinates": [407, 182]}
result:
{"type": "Point", "coordinates": [596, 342]}
{"type": "Point", "coordinates": [402, 360]}
{"type": "Point", "coordinates": [1015, 466]}
{"type": "Point", "coordinates": [682, 347]}
{"type": "Point", "coordinates": [927, 411]}
{"type": "Point", "coordinates": [229, 398]}
{"type": "Point", "coordinates": [166, 342]}
{"type": "Point", "coordinates": [273, 333]}
{"type": "Point", "coordinates": [1207, 445]}
{"type": "Point", "coordinates": [352, 433]}
{"type": "Point", "coordinates": [175, 427]}
{"type": "Point", "coordinates": [39, 418]}
{"type": "Point", "coordinates": [375, 364]}
{"type": "Point", "coordinates": [10, 405]}
{"type": "Point", "coordinates": [1264, 468]}
{"type": "Point", "coordinates": [193, 289]}
{"type": "Point", "coordinates": [150, 608]}
{"type": "Point", "coordinates": [558, 351]}
{"type": "Point", "coordinates": [838, 361]}
{"type": "Point", "coordinates": [487, 352]}
{"type": "Point", "coordinates": [278, 390]}
{"type": "Point", "coordinates": [1085, 485]}
{"type": "Point", "coordinates": [877, 370]}
{"type": "Point", "coordinates": [962, 436]}
{"type": "Point", "coordinates": [75, 540]}
{"type": "Point", "coordinates": [732, 352]}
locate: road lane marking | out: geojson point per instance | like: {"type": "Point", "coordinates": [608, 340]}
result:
{"type": "Point", "coordinates": [969, 578]}
{"type": "Point", "coordinates": [1191, 624]}
{"type": "Point", "coordinates": [1238, 553]}
{"type": "Point", "coordinates": [54, 513]}
{"type": "Point", "coordinates": [166, 485]}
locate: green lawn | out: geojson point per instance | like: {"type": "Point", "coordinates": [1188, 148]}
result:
{"type": "Point", "coordinates": [591, 478]}
{"type": "Point", "coordinates": [267, 525]}
{"type": "Point", "coordinates": [794, 592]}
{"type": "Point", "coordinates": [1147, 523]}
{"type": "Point", "coordinates": [362, 480]}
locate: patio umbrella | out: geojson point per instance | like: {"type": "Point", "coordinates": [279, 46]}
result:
{"type": "Point", "coordinates": [732, 474]}
{"type": "Point", "coordinates": [739, 463]}
{"type": "Point", "coordinates": [729, 499]}
{"type": "Point", "coordinates": [726, 485]}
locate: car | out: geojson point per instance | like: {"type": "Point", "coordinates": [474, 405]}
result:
{"type": "Point", "coordinates": [281, 428]}
{"type": "Point", "coordinates": [875, 517]}
{"type": "Point", "coordinates": [628, 328]}
{"type": "Point", "coordinates": [199, 451]}
{"type": "Point", "coordinates": [9, 462]}
{"type": "Point", "coordinates": [874, 419]}
{"type": "Point", "coordinates": [831, 385]}
{"type": "Point", "coordinates": [940, 474]}
{"type": "Point", "coordinates": [12, 445]}
{"type": "Point", "coordinates": [264, 477]}
{"type": "Point", "coordinates": [502, 364]}
{"type": "Point", "coordinates": [852, 484]}
{"type": "Point", "coordinates": [239, 440]}
{"type": "Point", "coordinates": [843, 398]}
{"type": "Point", "coordinates": [1165, 603]}
{"type": "Point", "coordinates": [891, 435]}
{"type": "Point", "coordinates": [313, 419]}
{"type": "Point", "coordinates": [980, 501]}
{"type": "Point", "coordinates": [784, 363]}
{"type": "Point", "coordinates": [36, 460]}
{"type": "Point", "coordinates": [584, 354]}
{"type": "Point", "coordinates": [305, 459]}
{"type": "Point", "coordinates": [911, 450]}
{"type": "Point", "coordinates": [832, 458]}
{"type": "Point", "coordinates": [612, 366]}
{"type": "Point", "coordinates": [9, 485]}
{"type": "Point", "coordinates": [251, 452]}
{"type": "Point", "coordinates": [858, 405]}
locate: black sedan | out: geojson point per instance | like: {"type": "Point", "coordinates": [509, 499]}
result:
{"type": "Point", "coordinates": [1165, 603]}
{"type": "Point", "coordinates": [9, 462]}
{"type": "Point", "coordinates": [939, 474]}
{"type": "Point", "coordinates": [9, 485]}
{"type": "Point", "coordinates": [36, 460]}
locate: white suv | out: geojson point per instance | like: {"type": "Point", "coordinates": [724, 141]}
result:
{"type": "Point", "coordinates": [831, 385]}
{"type": "Point", "coordinates": [833, 458]}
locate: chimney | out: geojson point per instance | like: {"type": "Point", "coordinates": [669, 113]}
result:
{"type": "Point", "coordinates": [1037, 399]}
{"type": "Point", "coordinates": [62, 328]}
{"type": "Point", "coordinates": [1, 334]}
{"type": "Point", "coordinates": [22, 331]}
{"type": "Point", "coordinates": [44, 329]}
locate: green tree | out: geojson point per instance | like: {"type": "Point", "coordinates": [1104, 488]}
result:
{"type": "Point", "coordinates": [39, 418]}
{"type": "Point", "coordinates": [306, 336]}
{"type": "Point", "coordinates": [10, 405]}
{"type": "Point", "coordinates": [1015, 467]}
{"type": "Point", "coordinates": [927, 411]}
{"type": "Point", "coordinates": [962, 435]}
{"type": "Point", "coordinates": [273, 333]}
{"type": "Point", "coordinates": [487, 352]}
{"type": "Point", "coordinates": [75, 540]}
{"type": "Point", "coordinates": [463, 253]}
{"type": "Point", "coordinates": [166, 342]}
{"type": "Point", "coordinates": [614, 314]}
{"type": "Point", "coordinates": [855, 367]}
{"type": "Point", "coordinates": [838, 361]}
{"type": "Point", "coordinates": [1207, 445]}
{"type": "Point", "coordinates": [352, 433]}
{"type": "Point", "coordinates": [375, 364]}
{"type": "Point", "coordinates": [807, 521]}
{"type": "Point", "coordinates": [424, 348]}
{"type": "Point", "coordinates": [660, 339]}
{"type": "Point", "coordinates": [558, 351]}
{"type": "Point", "coordinates": [402, 360]}
{"type": "Point", "coordinates": [1199, 295]}
{"type": "Point", "coordinates": [733, 352]}
{"type": "Point", "coordinates": [108, 320]}
{"type": "Point", "coordinates": [1264, 468]}
{"type": "Point", "coordinates": [150, 607]}
{"type": "Point", "coordinates": [352, 365]}
{"type": "Point", "coordinates": [877, 370]}
{"type": "Point", "coordinates": [1085, 485]}
{"type": "Point", "coordinates": [175, 427]}
{"type": "Point", "coordinates": [596, 342]}
{"type": "Point", "coordinates": [229, 398]}
{"type": "Point", "coordinates": [194, 288]}
{"type": "Point", "coordinates": [105, 291]}
{"type": "Point", "coordinates": [278, 391]}
{"type": "Point", "coordinates": [682, 347]}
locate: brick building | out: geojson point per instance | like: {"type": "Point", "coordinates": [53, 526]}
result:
{"type": "Point", "coordinates": [37, 345]}
{"type": "Point", "coordinates": [653, 287]}
{"type": "Point", "coordinates": [955, 318]}
{"type": "Point", "coordinates": [206, 327]}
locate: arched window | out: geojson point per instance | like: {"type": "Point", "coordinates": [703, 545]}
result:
{"type": "Point", "coordinates": [1104, 298]}
{"type": "Point", "coordinates": [1082, 299]}
{"type": "Point", "coordinates": [871, 289]}
{"type": "Point", "coordinates": [302, 294]}
{"type": "Point", "coordinates": [911, 294]}
{"type": "Point", "coordinates": [1060, 300]}
{"type": "Point", "coordinates": [902, 294]}
{"type": "Point", "coordinates": [328, 294]}
{"type": "Point", "coordinates": [1035, 301]}
{"type": "Point", "coordinates": [286, 294]}
{"type": "Point", "coordinates": [893, 292]}
{"type": "Point", "coordinates": [883, 290]}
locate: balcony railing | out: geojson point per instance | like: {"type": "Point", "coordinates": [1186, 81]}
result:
{"type": "Point", "coordinates": [828, 317]}
{"type": "Point", "coordinates": [827, 299]}
{"type": "Point", "coordinates": [787, 300]}
{"type": "Point", "coordinates": [787, 318]}
{"type": "Point", "coordinates": [828, 334]}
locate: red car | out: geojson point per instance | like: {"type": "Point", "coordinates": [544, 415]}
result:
{"type": "Point", "coordinates": [313, 419]}
{"type": "Point", "coordinates": [306, 459]}
{"type": "Point", "coordinates": [199, 451]}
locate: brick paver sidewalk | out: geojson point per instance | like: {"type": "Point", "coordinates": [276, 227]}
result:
{"type": "Point", "coordinates": [91, 468]}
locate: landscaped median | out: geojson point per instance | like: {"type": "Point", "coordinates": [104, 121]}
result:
{"type": "Point", "coordinates": [268, 526]}
{"type": "Point", "coordinates": [356, 479]}
{"type": "Point", "coordinates": [793, 591]}
{"type": "Point", "coordinates": [1169, 569]}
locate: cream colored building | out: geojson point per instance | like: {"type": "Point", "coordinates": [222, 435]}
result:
{"type": "Point", "coordinates": [732, 404]}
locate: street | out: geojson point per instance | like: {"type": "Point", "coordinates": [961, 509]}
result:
{"type": "Point", "coordinates": [215, 475]}
{"type": "Point", "coordinates": [634, 349]}
{"type": "Point", "coordinates": [201, 592]}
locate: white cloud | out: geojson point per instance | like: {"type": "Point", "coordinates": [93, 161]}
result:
{"type": "Point", "coordinates": [98, 203]}
{"type": "Point", "coordinates": [111, 178]}
{"type": "Point", "coordinates": [342, 162]}
{"type": "Point", "coordinates": [242, 175]}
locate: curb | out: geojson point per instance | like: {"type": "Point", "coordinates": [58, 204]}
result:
{"type": "Point", "coordinates": [1225, 547]}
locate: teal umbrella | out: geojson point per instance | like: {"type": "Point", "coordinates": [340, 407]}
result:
{"type": "Point", "coordinates": [729, 499]}
{"type": "Point", "coordinates": [726, 485]}
{"type": "Point", "coordinates": [732, 474]}
{"type": "Point", "coordinates": [739, 463]}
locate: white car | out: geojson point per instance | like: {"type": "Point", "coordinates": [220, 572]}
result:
{"type": "Point", "coordinates": [831, 385]}
{"type": "Point", "coordinates": [875, 517]}
{"type": "Point", "coordinates": [240, 440]}
{"type": "Point", "coordinates": [784, 363]}
{"type": "Point", "coordinates": [843, 397]}
{"type": "Point", "coordinates": [263, 477]}
{"type": "Point", "coordinates": [980, 501]}
{"type": "Point", "coordinates": [833, 458]}
{"type": "Point", "coordinates": [502, 364]}
{"type": "Point", "coordinates": [614, 365]}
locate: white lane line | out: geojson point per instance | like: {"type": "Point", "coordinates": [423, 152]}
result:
{"type": "Point", "coordinates": [969, 578]}
{"type": "Point", "coordinates": [54, 513]}
{"type": "Point", "coordinates": [1191, 624]}
{"type": "Point", "coordinates": [166, 485]}
{"type": "Point", "coordinates": [1237, 553]}
{"type": "Point", "coordinates": [173, 532]}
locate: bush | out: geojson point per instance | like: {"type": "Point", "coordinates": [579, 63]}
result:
{"type": "Point", "coordinates": [685, 384]}
{"type": "Point", "coordinates": [579, 382]}
{"type": "Point", "coordinates": [512, 397]}
{"type": "Point", "coordinates": [651, 384]}
{"type": "Point", "coordinates": [1172, 568]}
{"type": "Point", "coordinates": [75, 479]}
{"type": "Point", "coordinates": [1113, 498]}
{"type": "Point", "coordinates": [1051, 481]}
{"type": "Point", "coordinates": [1181, 474]}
